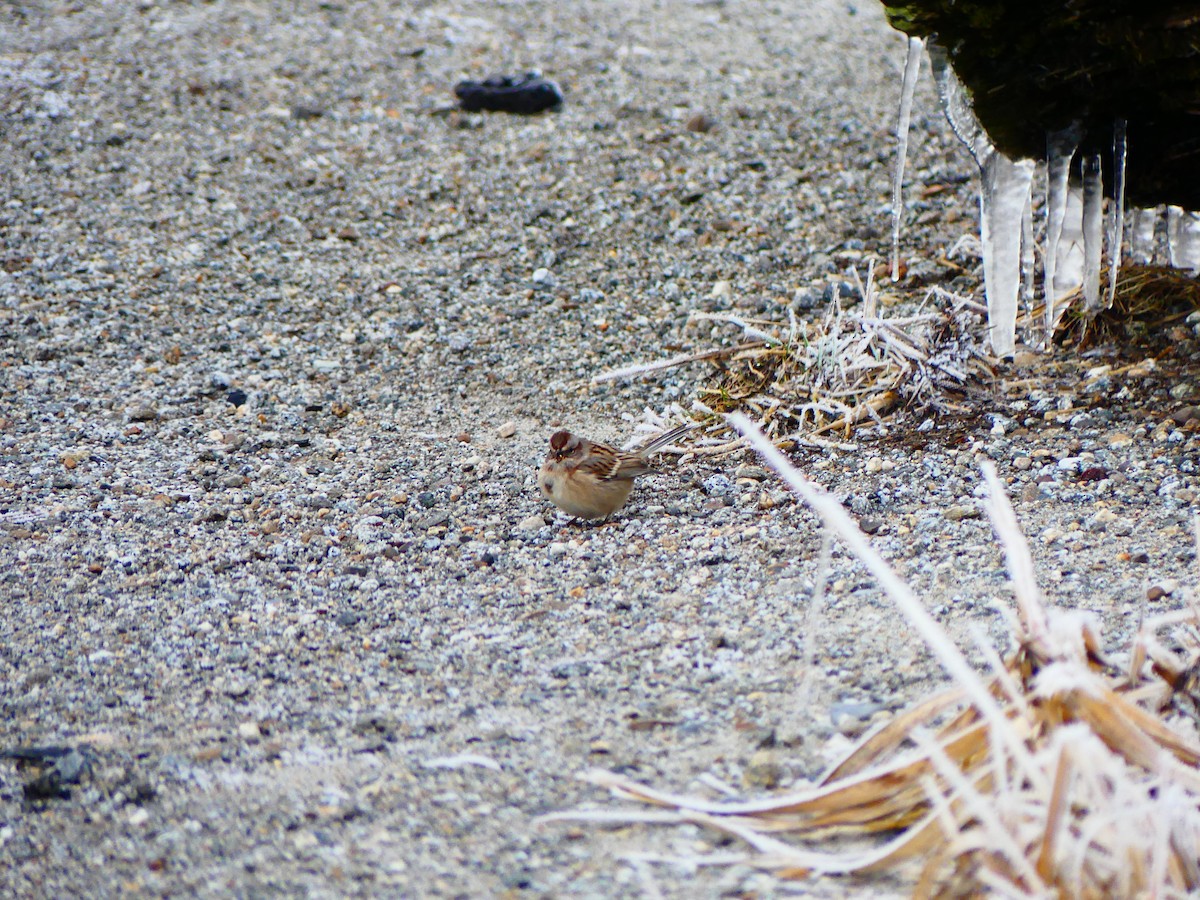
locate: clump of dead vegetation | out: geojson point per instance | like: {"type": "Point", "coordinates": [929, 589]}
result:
{"type": "Point", "coordinates": [856, 365]}
{"type": "Point", "coordinates": [1059, 771]}
{"type": "Point", "coordinates": [1149, 302]}
{"type": "Point", "coordinates": [866, 363]}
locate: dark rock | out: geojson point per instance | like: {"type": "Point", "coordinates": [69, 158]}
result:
{"type": "Point", "coordinates": [525, 95]}
{"type": "Point", "coordinates": [57, 768]}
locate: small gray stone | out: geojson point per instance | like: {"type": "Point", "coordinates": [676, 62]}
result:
{"type": "Point", "coordinates": [757, 473]}
{"type": "Point", "coordinates": [718, 486]}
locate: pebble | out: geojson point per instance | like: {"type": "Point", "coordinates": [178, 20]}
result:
{"type": "Point", "coordinates": [960, 512]}
{"type": "Point", "coordinates": [754, 473]}
{"type": "Point", "coordinates": [718, 486]}
{"type": "Point", "coordinates": [763, 771]}
{"type": "Point", "coordinates": [531, 523]}
{"type": "Point", "coordinates": [1161, 591]}
{"type": "Point", "coordinates": [507, 430]}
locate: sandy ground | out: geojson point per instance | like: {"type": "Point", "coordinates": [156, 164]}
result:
{"type": "Point", "coordinates": [267, 547]}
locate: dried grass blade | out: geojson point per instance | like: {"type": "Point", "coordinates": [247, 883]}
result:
{"type": "Point", "coordinates": [639, 369]}
{"type": "Point", "coordinates": [1134, 734]}
{"type": "Point", "coordinates": [890, 736]}
{"type": "Point", "coordinates": [1056, 808]}
{"type": "Point", "coordinates": [836, 517]}
{"type": "Point", "coordinates": [1020, 561]}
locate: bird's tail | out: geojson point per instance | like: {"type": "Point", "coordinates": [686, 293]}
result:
{"type": "Point", "coordinates": [668, 437]}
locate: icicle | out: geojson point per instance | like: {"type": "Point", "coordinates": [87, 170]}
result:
{"type": "Point", "coordinates": [1093, 230]}
{"type": "Point", "coordinates": [957, 107]}
{"type": "Point", "coordinates": [912, 67]}
{"type": "Point", "coordinates": [1183, 235]}
{"type": "Point", "coordinates": [1141, 241]}
{"type": "Point", "coordinates": [1028, 263]}
{"type": "Point", "coordinates": [1002, 203]}
{"type": "Point", "coordinates": [1069, 258]}
{"type": "Point", "coordinates": [1117, 218]}
{"type": "Point", "coordinates": [1174, 232]}
{"type": "Point", "coordinates": [1060, 150]}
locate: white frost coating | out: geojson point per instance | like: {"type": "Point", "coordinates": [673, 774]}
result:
{"type": "Point", "coordinates": [912, 68]}
{"type": "Point", "coordinates": [1117, 217]}
{"type": "Point", "coordinates": [1183, 236]}
{"type": "Point", "coordinates": [1002, 203]}
{"type": "Point", "coordinates": [1093, 230]}
{"type": "Point", "coordinates": [1141, 238]}
{"type": "Point", "coordinates": [957, 106]}
{"type": "Point", "coordinates": [1060, 150]}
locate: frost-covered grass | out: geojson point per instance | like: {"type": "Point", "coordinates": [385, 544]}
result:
{"type": "Point", "coordinates": [1056, 771]}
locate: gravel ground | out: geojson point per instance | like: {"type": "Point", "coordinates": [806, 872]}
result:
{"type": "Point", "coordinates": [283, 340]}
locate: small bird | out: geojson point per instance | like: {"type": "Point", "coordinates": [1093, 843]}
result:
{"type": "Point", "coordinates": [592, 481]}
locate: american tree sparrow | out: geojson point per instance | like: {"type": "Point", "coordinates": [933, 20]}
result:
{"type": "Point", "coordinates": [592, 481]}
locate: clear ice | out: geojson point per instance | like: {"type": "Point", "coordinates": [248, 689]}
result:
{"type": "Point", "coordinates": [1116, 226]}
{"type": "Point", "coordinates": [1141, 238]}
{"type": "Point", "coordinates": [1069, 254]}
{"type": "Point", "coordinates": [1183, 238]}
{"type": "Point", "coordinates": [1093, 230]}
{"type": "Point", "coordinates": [912, 68]}
{"type": "Point", "coordinates": [1002, 203]}
{"type": "Point", "coordinates": [1006, 186]}
{"type": "Point", "coordinates": [1027, 256]}
{"type": "Point", "coordinates": [1075, 229]}
{"type": "Point", "coordinates": [1060, 150]}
